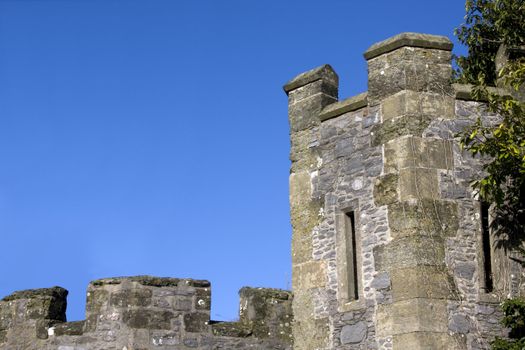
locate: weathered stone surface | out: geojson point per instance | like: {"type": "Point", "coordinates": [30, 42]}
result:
{"type": "Point", "coordinates": [309, 275]}
{"type": "Point", "coordinates": [428, 340]}
{"type": "Point", "coordinates": [348, 105]}
{"type": "Point", "coordinates": [410, 251]}
{"type": "Point", "coordinates": [408, 103]}
{"type": "Point", "coordinates": [386, 189]}
{"type": "Point", "coordinates": [54, 292]}
{"type": "Point", "coordinates": [422, 282]}
{"type": "Point", "coordinates": [425, 217]}
{"type": "Point", "coordinates": [418, 184]}
{"type": "Point", "coordinates": [412, 315]}
{"type": "Point", "coordinates": [381, 281]}
{"type": "Point", "coordinates": [324, 72]}
{"type": "Point", "coordinates": [69, 328]}
{"type": "Point", "coordinates": [410, 40]}
{"type": "Point", "coordinates": [416, 69]}
{"type": "Point", "coordinates": [402, 126]}
{"type": "Point", "coordinates": [196, 322]}
{"type": "Point", "coordinates": [146, 313]}
{"type": "Point", "coordinates": [459, 324]}
{"type": "Point", "coordinates": [465, 270]}
{"type": "Point", "coordinates": [232, 329]}
{"type": "Point", "coordinates": [417, 152]}
{"type": "Point", "coordinates": [131, 297]}
{"type": "Point", "coordinates": [353, 334]}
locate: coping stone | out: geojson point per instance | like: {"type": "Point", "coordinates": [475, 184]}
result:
{"type": "Point", "coordinates": [348, 105]}
{"type": "Point", "coordinates": [426, 41]}
{"type": "Point", "coordinates": [324, 71]}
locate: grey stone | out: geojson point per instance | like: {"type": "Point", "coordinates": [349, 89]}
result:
{"type": "Point", "coordinates": [381, 281]}
{"type": "Point", "coordinates": [459, 324]}
{"type": "Point", "coordinates": [353, 334]}
{"type": "Point", "coordinates": [465, 270]}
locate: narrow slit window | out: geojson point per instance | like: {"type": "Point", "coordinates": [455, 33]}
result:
{"type": "Point", "coordinates": [351, 256]}
{"type": "Point", "coordinates": [487, 250]}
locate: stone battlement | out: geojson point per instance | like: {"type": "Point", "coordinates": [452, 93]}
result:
{"type": "Point", "coordinates": [144, 312]}
{"type": "Point", "coordinates": [391, 248]}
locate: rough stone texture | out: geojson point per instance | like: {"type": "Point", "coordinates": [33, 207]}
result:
{"type": "Point", "coordinates": [352, 334]}
{"type": "Point", "coordinates": [144, 312]}
{"type": "Point", "coordinates": [395, 167]}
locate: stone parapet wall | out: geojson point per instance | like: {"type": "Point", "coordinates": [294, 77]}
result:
{"type": "Point", "coordinates": [387, 248]}
{"type": "Point", "coordinates": [144, 312]}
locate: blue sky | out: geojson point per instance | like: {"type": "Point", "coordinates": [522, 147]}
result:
{"type": "Point", "coordinates": [151, 137]}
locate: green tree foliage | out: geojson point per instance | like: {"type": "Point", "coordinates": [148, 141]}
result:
{"type": "Point", "coordinates": [491, 26]}
{"type": "Point", "coordinates": [514, 319]}
{"type": "Point", "coordinates": [488, 24]}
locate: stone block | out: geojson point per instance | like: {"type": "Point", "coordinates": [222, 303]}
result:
{"type": "Point", "coordinates": [428, 341]}
{"type": "Point", "coordinates": [410, 251]}
{"type": "Point", "coordinates": [69, 328]}
{"type": "Point", "coordinates": [44, 303]}
{"type": "Point", "coordinates": [411, 40]}
{"type": "Point", "coordinates": [325, 73]}
{"type": "Point", "coordinates": [395, 128]}
{"type": "Point", "coordinates": [302, 245]}
{"type": "Point", "coordinates": [203, 299]}
{"type": "Point", "coordinates": [316, 87]}
{"type": "Point", "coordinates": [232, 329]}
{"type": "Point", "coordinates": [421, 282]}
{"type": "Point", "coordinates": [196, 322]}
{"type": "Point", "coordinates": [460, 323]}
{"type": "Point", "coordinates": [300, 188]}
{"type": "Point", "coordinates": [301, 154]}
{"type": "Point", "coordinates": [418, 184]}
{"type": "Point", "coordinates": [412, 315]}
{"type": "Point", "coordinates": [96, 299]}
{"type": "Point", "coordinates": [381, 281]}
{"type": "Point", "coordinates": [309, 275]}
{"type": "Point", "coordinates": [305, 114]}
{"type": "Point", "coordinates": [353, 334]}
{"type": "Point", "coordinates": [425, 217]}
{"type": "Point", "coordinates": [304, 216]}
{"type": "Point", "coordinates": [302, 305]}
{"type": "Point", "coordinates": [386, 189]}
{"type": "Point", "coordinates": [131, 297]}
{"type": "Point", "coordinates": [407, 68]}
{"type": "Point", "coordinates": [150, 319]}
{"type": "Point", "coordinates": [412, 151]}
{"type": "Point", "coordinates": [312, 334]}
{"type": "Point", "coordinates": [412, 103]}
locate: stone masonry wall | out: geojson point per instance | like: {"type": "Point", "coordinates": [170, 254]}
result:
{"type": "Point", "coordinates": [386, 166]}
{"type": "Point", "coordinates": [139, 313]}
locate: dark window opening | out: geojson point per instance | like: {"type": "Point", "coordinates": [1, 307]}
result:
{"type": "Point", "coordinates": [487, 250]}
{"type": "Point", "coordinates": [351, 256]}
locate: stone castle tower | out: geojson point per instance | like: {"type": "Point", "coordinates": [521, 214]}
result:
{"type": "Point", "coordinates": [390, 249]}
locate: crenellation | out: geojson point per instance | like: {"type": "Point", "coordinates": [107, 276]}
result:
{"type": "Point", "coordinates": [144, 312]}
{"type": "Point", "coordinates": [389, 160]}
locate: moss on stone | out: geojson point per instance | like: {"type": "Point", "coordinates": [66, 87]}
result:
{"type": "Point", "coordinates": [394, 128]}
{"type": "Point", "coordinates": [232, 329]}
{"type": "Point", "coordinates": [424, 217]}
{"type": "Point", "coordinates": [69, 328]}
{"type": "Point", "coordinates": [55, 292]}
{"type": "Point", "coordinates": [386, 189]}
{"type": "Point", "coordinates": [152, 281]}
